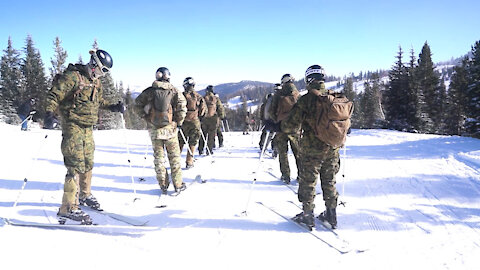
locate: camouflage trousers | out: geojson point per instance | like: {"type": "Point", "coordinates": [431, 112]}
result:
{"type": "Point", "coordinates": [318, 159]}
{"type": "Point", "coordinates": [191, 130]}
{"type": "Point", "coordinates": [281, 141]}
{"type": "Point", "coordinates": [172, 148]}
{"type": "Point", "coordinates": [209, 128]}
{"type": "Point", "coordinates": [220, 136]}
{"type": "Point", "coordinates": [77, 148]}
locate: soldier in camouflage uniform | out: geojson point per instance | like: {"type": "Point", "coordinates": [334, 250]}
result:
{"type": "Point", "coordinates": [214, 111]}
{"type": "Point", "coordinates": [282, 104]}
{"type": "Point", "coordinates": [164, 109]}
{"type": "Point", "coordinates": [317, 156]}
{"type": "Point", "coordinates": [191, 127]}
{"type": "Point", "coordinates": [78, 95]}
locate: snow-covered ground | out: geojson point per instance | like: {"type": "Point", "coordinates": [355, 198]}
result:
{"type": "Point", "coordinates": [412, 201]}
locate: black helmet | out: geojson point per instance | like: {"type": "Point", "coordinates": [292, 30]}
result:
{"type": "Point", "coordinates": [287, 78]}
{"type": "Point", "coordinates": [277, 87]}
{"type": "Point", "coordinates": [102, 60]}
{"type": "Point", "coordinates": [188, 82]}
{"type": "Point", "coordinates": [210, 88]}
{"type": "Point", "coordinates": [314, 73]}
{"type": "Point", "coordinates": [163, 74]}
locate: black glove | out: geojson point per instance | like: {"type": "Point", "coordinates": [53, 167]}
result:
{"type": "Point", "coordinates": [119, 107]}
{"type": "Point", "coordinates": [50, 122]}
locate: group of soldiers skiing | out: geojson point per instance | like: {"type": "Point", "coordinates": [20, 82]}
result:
{"type": "Point", "coordinates": [176, 119]}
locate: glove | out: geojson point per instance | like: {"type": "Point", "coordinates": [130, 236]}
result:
{"type": "Point", "coordinates": [50, 122]}
{"type": "Point", "coordinates": [119, 107]}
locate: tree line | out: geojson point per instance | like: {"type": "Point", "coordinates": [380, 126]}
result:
{"type": "Point", "coordinates": [414, 98]}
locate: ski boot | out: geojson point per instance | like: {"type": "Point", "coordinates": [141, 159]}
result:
{"type": "Point", "coordinates": [76, 215]}
{"type": "Point", "coordinates": [164, 190]}
{"type": "Point", "coordinates": [305, 219]}
{"type": "Point", "coordinates": [285, 179]}
{"type": "Point", "coordinates": [329, 216]}
{"type": "Point", "coordinates": [91, 202]}
{"type": "Point", "coordinates": [181, 188]}
{"type": "Point", "coordinates": [189, 166]}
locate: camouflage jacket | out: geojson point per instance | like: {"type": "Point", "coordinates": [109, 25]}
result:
{"type": "Point", "coordinates": [178, 103]}
{"type": "Point", "coordinates": [304, 115]}
{"type": "Point", "coordinates": [77, 96]}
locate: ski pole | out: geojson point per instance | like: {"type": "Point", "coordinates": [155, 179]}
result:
{"type": "Point", "coordinates": [141, 178]}
{"type": "Point", "coordinates": [255, 178]}
{"type": "Point", "coordinates": [223, 127]}
{"type": "Point", "coordinates": [128, 157]}
{"type": "Point", "coordinates": [228, 127]}
{"type": "Point", "coordinates": [205, 141]}
{"type": "Point", "coordinates": [25, 180]}
{"type": "Point", "coordinates": [185, 140]}
{"type": "Point", "coordinates": [343, 173]}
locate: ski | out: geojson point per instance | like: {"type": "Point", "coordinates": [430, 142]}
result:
{"type": "Point", "coordinates": [69, 225]}
{"type": "Point", "coordinates": [326, 227]}
{"type": "Point", "coordinates": [333, 242]}
{"type": "Point", "coordinates": [163, 197]}
{"type": "Point", "coordinates": [122, 218]}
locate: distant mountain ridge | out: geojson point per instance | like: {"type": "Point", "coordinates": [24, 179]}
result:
{"type": "Point", "coordinates": [225, 90]}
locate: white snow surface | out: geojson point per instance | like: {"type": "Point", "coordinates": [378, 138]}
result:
{"type": "Point", "coordinates": [412, 202]}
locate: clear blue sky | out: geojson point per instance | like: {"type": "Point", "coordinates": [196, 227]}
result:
{"type": "Point", "coordinates": [228, 41]}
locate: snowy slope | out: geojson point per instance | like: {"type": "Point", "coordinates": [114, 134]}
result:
{"type": "Point", "coordinates": [412, 201]}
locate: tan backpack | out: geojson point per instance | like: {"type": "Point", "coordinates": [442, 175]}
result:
{"type": "Point", "coordinates": [192, 109]}
{"type": "Point", "coordinates": [211, 101]}
{"type": "Point", "coordinates": [333, 120]}
{"type": "Point", "coordinates": [285, 105]}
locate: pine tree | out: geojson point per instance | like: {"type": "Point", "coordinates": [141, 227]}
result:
{"type": "Point", "coordinates": [456, 100]}
{"type": "Point", "coordinates": [473, 92]}
{"type": "Point", "coordinates": [418, 115]}
{"type": "Point", "coordinates": [59, 60]}
{"type": "Point", "coordinates": [12, 78]}
{"type": "Point", "coordinates": [396, 96]}
{"type": "Point", "coordinates": [132, 120]}
{"type": "Point", "coordinates": [429, 84]}
{"type": "Point", "coordinates": [35, 80]}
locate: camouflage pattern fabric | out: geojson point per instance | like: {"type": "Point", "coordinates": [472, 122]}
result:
{"type": "Point", "coordinates": [173, 153]}
{"type": "Point", "coordinates": [210, 124]}
{"type": "Point", "coordinates": [209, 129]}
{"type": "Point", "coordinates": [164, 138]}
{"type": "Point", "coordinates": [317, 158]}
{"type": "Point", "coordinates": [219, 132]}
{"type": "Point", "coordinates": [78, 99]}
{"type": "Point", "coordinates": [77, 96]}
{"type": "Point", "coordinates": [191, 130]}
{"type": "Point", "coordinates": [281, 142]}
